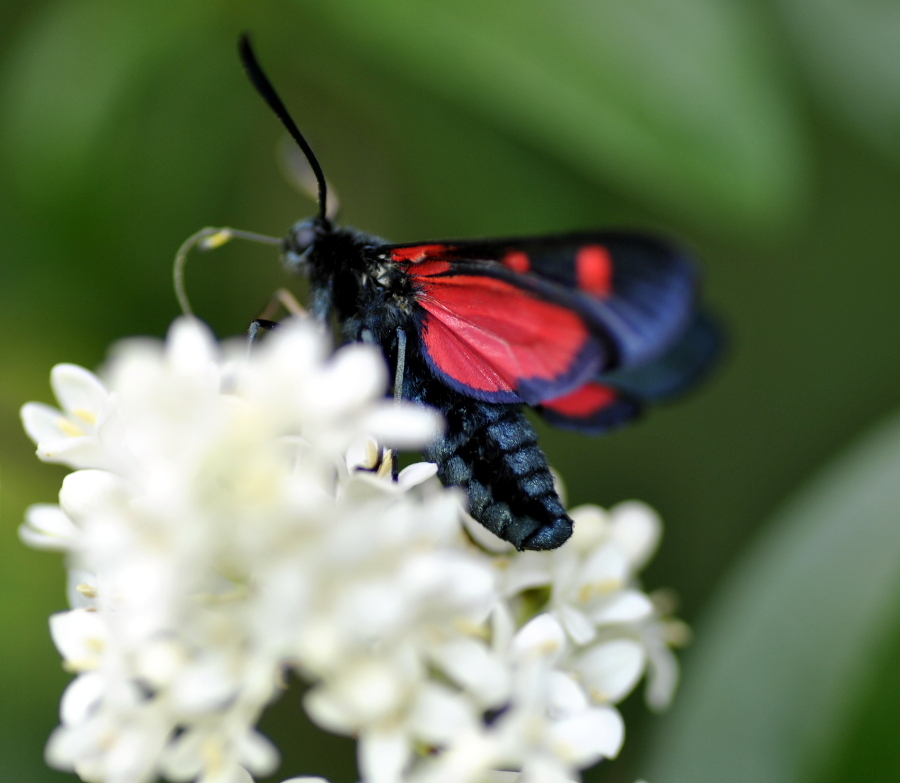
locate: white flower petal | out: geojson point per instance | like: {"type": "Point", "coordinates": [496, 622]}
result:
{"type": "Point", "coordinates": [329, 712]}
{"type": "Point", "coordinates": [626, 606]}
{"type": "Point", "coordinates": [81, 588]}
{"type": "Point", "coordinates": [472, 665]}
{"type": "Point", "coordinates": [182, 758]}
{"type": "Point", "coordinates": [133, 755]}
{"type": "Point", "coordinates": [527, 570]}
{"type": "Point", "coordinates": [603, 571]}
{"type": "Point", "coordinates": [542, 768]}
{"type": "Point", "coordinates": [79, 391]}
{"type": "Point", "coordinates": [415, 474]}
{"type": "Point", "coordinates": [383, 755]}
{"type": "Point", "coordinates": [637, 528]}
{"type": "Point", "coordinates": [85, 493]}
{"type": "Point", "coordinates": [78, 453]}
{"type": "Point", "coordinates": [502, 627]}
{"type": "Point", "coordinates": [47, 527]}
{"type": "Point", "coordinates": [80, 636]}
{"type": "Point", "coordinates": [318, 645]}
{"type": "Point", "coordinates": [191, 349]}
{"type": "Point", "coordinates": [203, 687]}
{"type": "Point", "coordinates": [662, 677]}
{"type": "Point", "coordinates": [463, 584]}
{"type": "Point", "coordinates": [366, 694]}
{"type": "Point", "coordinates": [439, 715]}
{"type": "Point", "coordinates": [566, 696]}
{"type": "Point", "coordinates": [355, 375]}
{"type": "Point", "coordinates": [227, 773]}
{"type": "Point", "coordinates": [583, 739]}
{"type": "Point", "coordinates": [541, 637]}
{"type": "Point", "coordinates": [503, 776]}
{"type": "Point", "coordinates": [159, 661]}
{"type": "Point", "coordinates": [257, 753]}
{"type": "Point", "coordinates": [404, 425]}
{"type": "Point", "coordinates": [363, 453]}
{"type": "Point", "coordinates": [372, 609]}
{"type": "Point", "coordinates": [81, 698]}
{"type": "Point", "coordinates": [578, 624]}
{"type": "Point", "coordinates": [591, 527]}
{"type": "Point", "coordinates": [566, 565]}
{"type": "Point", "coordinates": [44, 424]}
{"type": "Point", "coordinates": [67, 744]}
{"type": "Point", "coordinates": [304, 779]}
{"type": "Point", "coordinates": [300, 343]}
{"type": "Point", "coordinates": [610, 670]}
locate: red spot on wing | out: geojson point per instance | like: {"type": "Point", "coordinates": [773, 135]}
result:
{"type": "Point", "coordinates": [417, 253]}
{"type": "Point", "coordinates": [487, 334]}
{"type": "Point", "coordinates": [517, 261]}
{"type": "Point", "coordinates": [593, 270]}
{"type": "Point", "coordinates": [584, 401]}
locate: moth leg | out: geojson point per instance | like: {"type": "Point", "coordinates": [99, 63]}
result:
{"type": "Point", "coordinates": [281, 298]}
{"type": "Point", "coordinates": [399, 372]}
{"type": "Point", "coordinates": [253, 331]}
{"type": "Point", "coordinates": [401, 365]}
{"type": "Point", "coordinates": [285, 299]}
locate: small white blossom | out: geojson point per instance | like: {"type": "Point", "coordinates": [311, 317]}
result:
{"type": "Point", "coordinates": [83, 434]}
{"type": "Point", "coordinates": [614, 627]}
{"type": "Point", "coordinates": [231, 518]}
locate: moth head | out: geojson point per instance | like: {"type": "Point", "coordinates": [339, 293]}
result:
{"type": "Point", "coordinates": [302, 238]}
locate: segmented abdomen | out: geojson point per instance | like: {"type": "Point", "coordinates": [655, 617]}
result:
{"type": "Point", "coordinates": [491, 451]}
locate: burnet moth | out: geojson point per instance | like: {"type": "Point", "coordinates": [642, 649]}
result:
{"type": "Point", "coordinates": [585, 328]}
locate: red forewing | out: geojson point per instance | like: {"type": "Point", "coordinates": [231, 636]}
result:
{"type": "Point", "coordinates": [501, 343]}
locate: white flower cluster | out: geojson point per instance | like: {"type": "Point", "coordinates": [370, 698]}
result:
{"type": "Point", "coordinates": [230, 519]}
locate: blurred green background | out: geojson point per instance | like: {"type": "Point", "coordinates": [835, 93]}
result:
{"type": "Point", "coordinates": [765, 134]}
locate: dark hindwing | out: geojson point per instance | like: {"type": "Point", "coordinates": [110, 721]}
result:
{"type": "Point", "coordinates": [614, 398]}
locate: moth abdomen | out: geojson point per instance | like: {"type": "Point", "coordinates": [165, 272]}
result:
{"type": "Point", "coordinates": [491, 452]}
{"type": "Point", "coordinates": [526, 461]}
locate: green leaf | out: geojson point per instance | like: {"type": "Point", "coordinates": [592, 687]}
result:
{"type": "Point", "coordinates": [677, 102]}
{"type": "Point", "coordinates": [851, 52]}
{"type": "Point", "coordinates": [783, 654]}
{"type": "Point", "coordinates": [869, 750]}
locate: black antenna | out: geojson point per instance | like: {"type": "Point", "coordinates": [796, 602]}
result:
{"type": "Point", "coordinates": [267, 91]}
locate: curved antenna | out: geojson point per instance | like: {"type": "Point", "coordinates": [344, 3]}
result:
{"type": "Point", "coordinates": [299, 174]}
{"type": "Point", "coordinates": [267, 91]}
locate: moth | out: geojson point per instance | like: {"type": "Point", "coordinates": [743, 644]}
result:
{"type": "Point", "coordinates": [584, 328]}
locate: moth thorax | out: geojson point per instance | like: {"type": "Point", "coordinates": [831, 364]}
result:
{"type": "Point", "coordinates": [381, 276]}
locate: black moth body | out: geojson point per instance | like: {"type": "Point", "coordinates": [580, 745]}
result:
{"type": "Point", "coordinates": [488, 449]}
{"type": "Point", "coordinates": [585, 328]}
